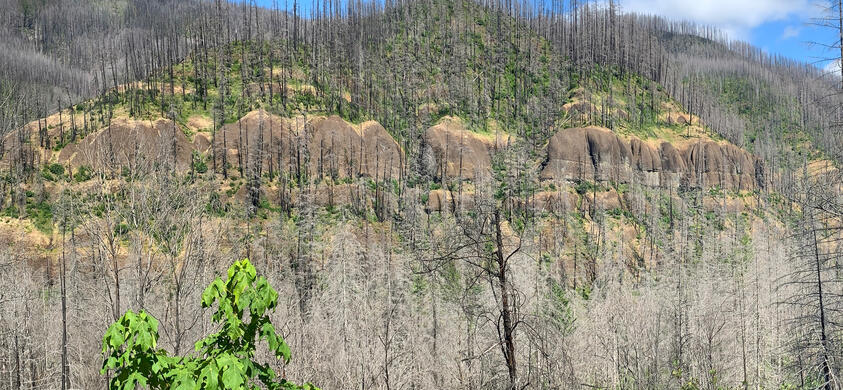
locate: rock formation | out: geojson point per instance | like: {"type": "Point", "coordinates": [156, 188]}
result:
{"type": "Point", "coordinates": [597, 154]}
{"type": "Point", "coordinates": [131, 143]}
{"type": "Point", "coordinates": [458, 152]}
{"type": "Point", "coordinates": [339, 150]}
{"type": "Point", "coordinates": [325, 146]}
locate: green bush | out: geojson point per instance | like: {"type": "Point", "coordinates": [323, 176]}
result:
{"type": "Point", "coordinates": [83, 173]}
{"type": "Point", "coordinates": [56, 169]}
{"type": "Point", "coordinates": [41, 215]}
{"type": "Point", "coordinates": [121, 229]}
{"type": "Point", "coordinates": [199, 164]}
{"type": "Point", "coordinates": [225, 359]}
{"type": "Point", "coordinates": [11, 212]}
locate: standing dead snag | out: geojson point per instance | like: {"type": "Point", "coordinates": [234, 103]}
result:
{"type": "Point", "coordinates": [506, 304]}
{"type": "Point", "coordinates": [492, 245]}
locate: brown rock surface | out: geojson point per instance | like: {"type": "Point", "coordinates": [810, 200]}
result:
{"type": "Point", "coordinates": [727, 166]}
{"type": "Point", "coordinates": [258, 135]}
{"type": "Point", "coordinates": [128, 142]}
{"type": "Point", "coordinates": [443, 200]}
{"type": "Point", "coordinates": [458, 152]}
{"type": "Point", "coordinates": [334, 148]}
{"type": "Point", "coordinates": [593, 153]}
{"type": "Point", "coordinates": [340, 150]}
{"type": "Point", "coordinates": [555, 201]}
{"type": "Point", "coordinates": [588, 153]}
{"type": "Point", "coordinates": [383, 156]}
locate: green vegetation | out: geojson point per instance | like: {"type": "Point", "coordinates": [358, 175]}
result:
{"type": "Point", "coordinates": [225, 359]}
{"type": "Point", "coordinates": [41, 215]}
{"type": "Point", "coordinates": [83, 173]}
{"type": "Point", "coordinates": [199, 164]}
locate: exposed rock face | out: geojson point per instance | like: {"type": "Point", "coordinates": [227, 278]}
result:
{"type": "Point", "coordinates": [646, 161]}
{"type": "Point", "coordinates": [673, 165]}
{"type": "Point", "coordinates": [598, 154]}
{"type": "Point", "coordinates": [382, 156]}
{"type": "Point", "coordinates": [440, 201]}
{"type": "Point", "coordinates": [331, 147]}
{"type": "Point", "coordinates": [257, 136]}
{"type": "Point", "coordinates": [446, 201]}
{"type": "Point", "coordinates": [334, 148]}
{"type": "Point", "coordinates": [259, 141]}
{"type": "Point", "coordinates": [555, 201]}
{"type": "Point", "coordinates": [457, 152]}
{"type": "Point", "coordinates": [587, 153]}
{"type": "Point", "coordinates": [337, 149]}
{"type": "Point", "coordinates": [711, 164]}
{"type": "Point", "coordinates": [131, 143]}
{"type": "Point", "coordinates": [326, 147]}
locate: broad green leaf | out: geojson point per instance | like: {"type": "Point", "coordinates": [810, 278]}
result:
{"type": "Point", "coordinates": [232, 376]}
{"type": "Point", "coordinates": [285, 351]}
{"type": "Point", "coordinates": [130, 344]}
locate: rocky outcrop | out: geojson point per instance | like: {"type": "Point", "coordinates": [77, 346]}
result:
{"type": "Point", "coordinates": [339, 150]}
{"type": "Point", "coordinates": [555, 201]}
{"type": "Point", "coordinates": [325, 146]}
{"type": "Point", "coordinates": [587, 154]}
{"type": "Point", "coordinates": [332, 147]}
{"type": "Point", "coordinates": [321, 146]}
{"type": "Point", "coordinates": [453, 151]}
{"type": "Point", "coordinates": [335, 148]}
{"type": "Point", "coordinates": [446, 201]}
{"type": "Point", "coordinates": [382, 156]}
{"type": "Point", "coordinates": [598, 154]}
{"type": "Point", "coordinates": [257, 136]}
{"type": "Point", "coordinates": [711, 164]}
{"type": "Point", "coordinates": [673, 165]}
{"type": "Point", "coordinates": [131, 143]}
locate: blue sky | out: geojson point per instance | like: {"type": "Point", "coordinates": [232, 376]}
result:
{"type": "Point", "coordinates": [776, 26]}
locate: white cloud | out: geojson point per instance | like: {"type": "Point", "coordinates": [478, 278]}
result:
{"type": "Point", "coordinates": [736, 17]}
{"type": "Point", "coordinates": [790, 32]}
{"type": "Point", "coordinates": [832, 68]}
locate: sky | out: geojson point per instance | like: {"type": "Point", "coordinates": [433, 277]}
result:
{"type": "Point", "coordinates": [776, 26]}
{"type": "Point", "coordinates": [783, 27]}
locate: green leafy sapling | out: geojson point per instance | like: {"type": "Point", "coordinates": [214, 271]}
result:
{"type": "Point", "coordinates": [224, 360]}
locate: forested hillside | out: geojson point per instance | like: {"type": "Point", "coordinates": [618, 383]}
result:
{"type": "Point", "coordinates": [445, 194]}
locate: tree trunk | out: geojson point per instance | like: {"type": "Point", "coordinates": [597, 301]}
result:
{"type": "Point", "coordinates": [508, 346]}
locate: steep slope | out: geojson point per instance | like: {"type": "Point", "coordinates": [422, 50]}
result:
{"type": "Point", "coordinates": [410, 174]}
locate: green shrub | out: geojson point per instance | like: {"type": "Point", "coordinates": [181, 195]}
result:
{"type": "Point", "coordinates": [11, 212]}
{"type": "Point", "coordinates": [199, 164]}
{"type": "Point", "coordinates": [83, 173]}
{"type": "Point", "coordinates": [56, 169]}
{"type": "Point", "coordinates": [41, 215]}
{"type": "Point", "coordinates": [121, 229]}
{"type": "Point", "coordinates": [224, 359]}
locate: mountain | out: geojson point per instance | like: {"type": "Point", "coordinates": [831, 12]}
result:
{"type": "Point", "coordinates": [444, 193]}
